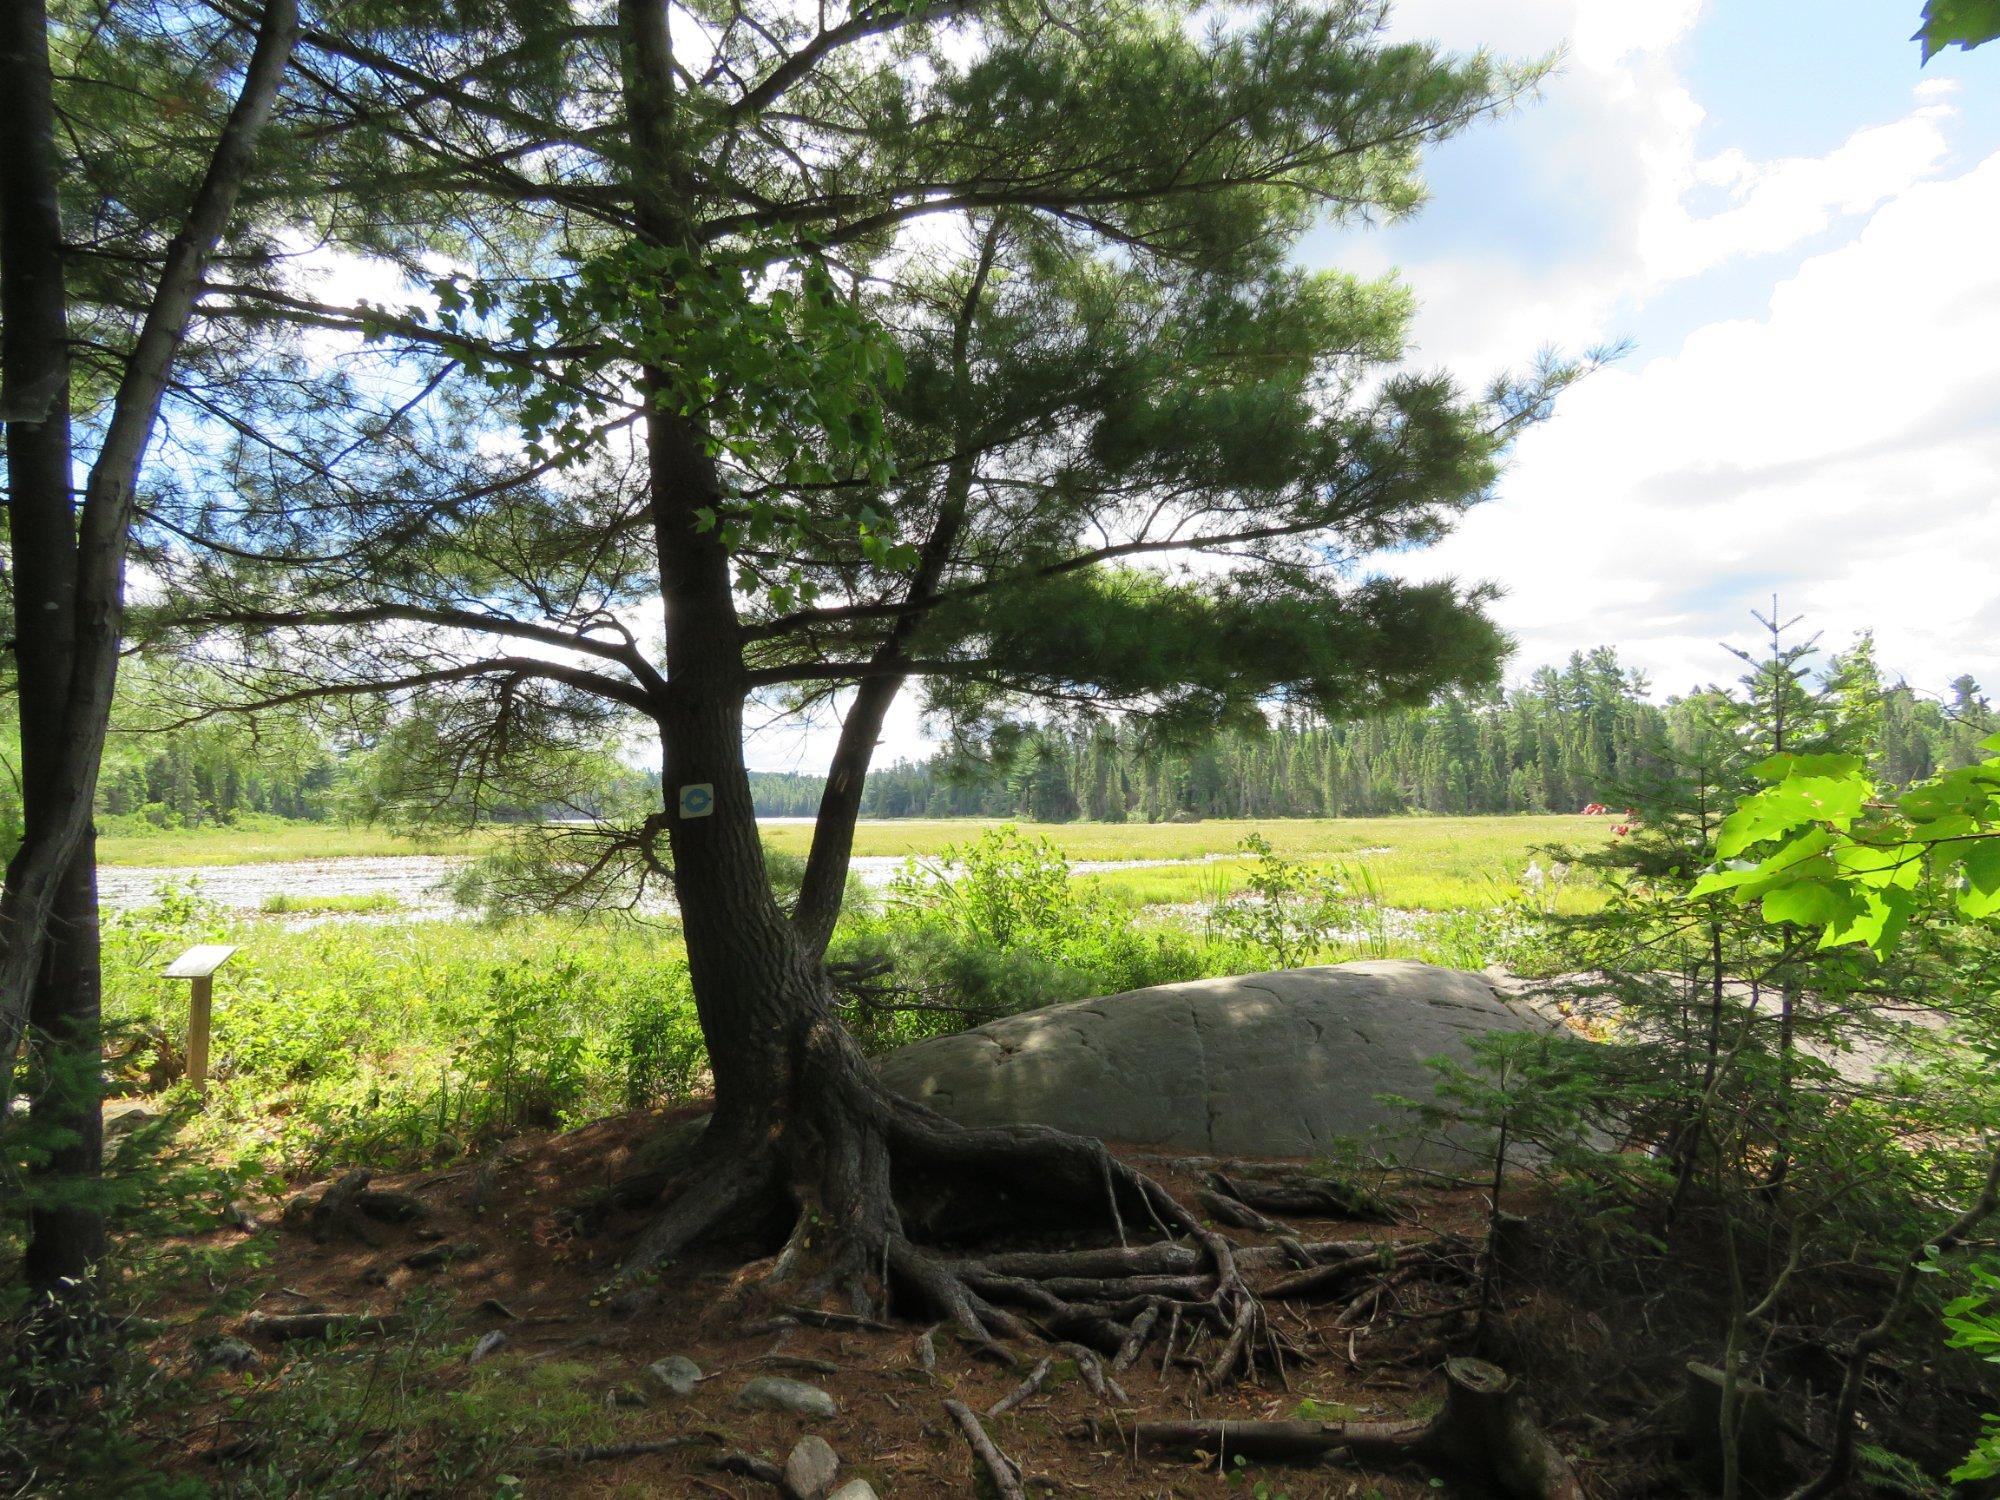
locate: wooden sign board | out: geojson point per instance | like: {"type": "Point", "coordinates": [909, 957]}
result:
{"type": "Point", "coordinates": [200, 961]}
{"type": "Point", "coordinates": [199, 964]}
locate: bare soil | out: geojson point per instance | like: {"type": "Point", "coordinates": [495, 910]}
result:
{"type": "Point", "coordinates": [520, 1266]}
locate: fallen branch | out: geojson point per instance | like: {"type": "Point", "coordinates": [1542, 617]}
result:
{"type": "Point", "coordinates": [751, 1467]}
{"type": "Point", "coordinates": [999, 1467]}
{"type": "Point", "coordinates": [1484, 1439]}
{"type": "Point", "coordinates": [284, 1327]}
{"type": "Point", "coordinates": [592, 1453]}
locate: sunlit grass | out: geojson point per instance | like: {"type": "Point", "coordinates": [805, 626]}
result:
{"type": "Point", "coordinates": [1433, 863]}
{"type": "Point", "coordinates": [358, 903]}
{"type": "Point", "coordinates": [1373, 879]}
{"type": "Point", "coordinates": [268, 840]}
{"type": "Point", "coordinates": [1437, 864]}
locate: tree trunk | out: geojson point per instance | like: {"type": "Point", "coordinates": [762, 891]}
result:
{"type": "Point", "coordinates": [65, 1241]}
{"type": "Point", "coordinates": [72, 573]}
{"type": "Point", "coordinates": [69, 583]}
{"type": "Point", "coordinates": [41, 525]}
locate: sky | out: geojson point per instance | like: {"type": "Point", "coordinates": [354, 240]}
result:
{"type": "Point", "coordinates": [1796, 230]}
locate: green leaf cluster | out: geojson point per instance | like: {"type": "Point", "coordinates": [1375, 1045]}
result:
{"type": "Point", "coordinates": [1957, 23]}
{"type": "Point", "coordinates": [1823, 846]}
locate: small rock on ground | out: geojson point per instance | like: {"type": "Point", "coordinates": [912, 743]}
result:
{"type": "Point", "coordinates": [488, 1344]}
{"type": "Point", "coordinates": [775, 1393]}
{"type": "Point", "coordinates": [231, 1354]}
{"type": "Point", "coordinates": [855, 1489]}
{"type": "Point", "coordinates": [811, 1469]}
{"type": "Point", "coordinates": [677, 1373]}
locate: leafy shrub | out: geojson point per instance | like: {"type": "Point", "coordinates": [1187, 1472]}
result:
{"type": "Point", "coordinates": [999, 926]}
{"type": "Point", "coordinates": [1972, 1322]}
{"type": "Point", "coordinates": [658, 1044]}
{"type": "Point", "coordinates": [1287, 912]}
{"type": "Point", "coordinates": [1004, 891]}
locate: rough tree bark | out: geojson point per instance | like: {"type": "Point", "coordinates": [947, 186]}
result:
{"type": "Point", "coordinates": [58, 993]}
{"type": "Point", "coordinates": [69, 578]}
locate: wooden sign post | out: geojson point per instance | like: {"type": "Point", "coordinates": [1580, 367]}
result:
{"type": "Point", "coordinates": [198, 966]}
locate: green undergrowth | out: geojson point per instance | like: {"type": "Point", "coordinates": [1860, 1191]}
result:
{"type": "Point", "coordinates": [358, 903]}
{"type": "Point", "coordinates": [396, 1043]}
{"type": "Point", "coordinates": [402, 1042]}
{"type": "Point", "coordinates": [404, 1413]}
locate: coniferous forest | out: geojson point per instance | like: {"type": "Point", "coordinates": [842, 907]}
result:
{"type": "Point", "coordinates": [1566, 739]}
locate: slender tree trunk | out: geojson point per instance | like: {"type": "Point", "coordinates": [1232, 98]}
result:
{"type": "Point", "coordinates": [61, 1003]}
{"type": "Point", "coordinates": [69, 591]}
{"type": "Point", "coordinates": [77, 562]}
{"type": "Point", "coordinates": [1781, 1154]}
{"type": "Point", "coordinates": [41, 527]}
{"type": "Point", "coordinates": [65, 1241]}
{"type": "Point", "coordinates": [1688, 1147]}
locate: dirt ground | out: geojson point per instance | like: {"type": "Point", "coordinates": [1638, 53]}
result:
{"type": "Point", "coordinates": [513, 1262]}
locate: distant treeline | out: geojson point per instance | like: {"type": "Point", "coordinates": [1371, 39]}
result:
{"type": "Point", "coordinates": [1567, 738]}
{"type": "Point", "coordinates": [1570, 737]}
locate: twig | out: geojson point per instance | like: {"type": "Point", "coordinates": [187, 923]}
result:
{"type": "Point", "coordinates": [1840, 1463]}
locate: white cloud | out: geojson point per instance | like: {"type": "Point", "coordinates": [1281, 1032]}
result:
{"type": "Point", "coordinates": [1778, 204]}
{"type": "Point", "coordinates": [1617, 140]}
{"type": "Point", "coordinates": [1842, 449]}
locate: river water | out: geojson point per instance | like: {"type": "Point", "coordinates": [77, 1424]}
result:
{"type": "Point", "coordinates": [419, 883]}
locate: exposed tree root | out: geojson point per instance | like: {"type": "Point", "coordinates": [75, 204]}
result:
{"type": "Point", "coordinates": [834, 1172]}
{"type": "Point", "coordinates": [349, 1207]}
{"type": "Point", "coordinates": [1303, 1196]}
{"type": "Point", "coordinates": [1022, 1391]}
{"type": "Point", "coordinates": [714, 1198]}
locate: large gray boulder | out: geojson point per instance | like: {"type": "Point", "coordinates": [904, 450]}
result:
{"type": "Point", "coordinates": [1270, 1065]}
